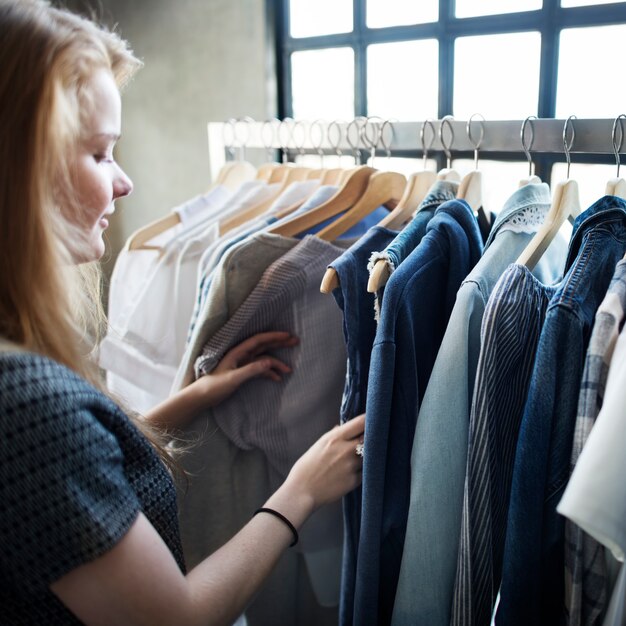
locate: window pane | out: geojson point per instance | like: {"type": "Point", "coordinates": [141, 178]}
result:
{"type": "Point", "coordinates": [395, 94]}
{"type": "Point", "coordinates": [591, 179]}
{"type": "Point", "coordinates": [471, 8]}
{"type": "Point", "coordinates": [500, 179]}
{"type": "Point", "coordinates": [321, 17]}
{"type": "Point", "coordinates": [381, 13]}
{"type": "Point", "coordinates": [587, 3]}
{"type": "Point", "coordinates": [316, 76]}
{"type": "Point", "coordinates": [497, 75]}
{"type": "Point", "coordinates": [588, 84]}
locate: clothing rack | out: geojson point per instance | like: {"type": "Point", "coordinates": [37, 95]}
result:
{"type": "Point", "coordinates": [591, 140]}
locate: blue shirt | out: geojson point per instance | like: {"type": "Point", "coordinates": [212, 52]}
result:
{"type": "Point", "coordinates": [359, 329]}
{"type": "Point", "coordinates": [418, 300]}
{"type": "Point", "coordinates": [532, 589]}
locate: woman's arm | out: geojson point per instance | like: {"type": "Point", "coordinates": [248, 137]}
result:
{"type": "Point", "coordinates": [246, 361]}
{"type": "Point", "coordinates": [138, 581]}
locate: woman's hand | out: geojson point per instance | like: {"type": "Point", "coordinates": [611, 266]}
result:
{"type": "Point", "coordinates": [244, 362]}
{"type": "Point", "coordinates": [328, 470]}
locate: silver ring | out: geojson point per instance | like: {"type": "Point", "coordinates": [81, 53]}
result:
{"type": "Point", "coordinates": [359, 450]}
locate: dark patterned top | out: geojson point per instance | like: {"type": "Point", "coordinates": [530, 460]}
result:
{"type": "Point", "coordinates": [74, 475]}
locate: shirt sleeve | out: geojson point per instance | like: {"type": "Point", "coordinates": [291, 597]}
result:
{"type": "Point", "coordinates": [64, 494]}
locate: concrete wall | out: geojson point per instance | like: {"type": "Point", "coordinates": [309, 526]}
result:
{"type": "Point", "coordinates": [205, 60]}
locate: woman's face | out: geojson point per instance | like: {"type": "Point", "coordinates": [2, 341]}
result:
{"type": "Point", "coordinates": [98, 179]}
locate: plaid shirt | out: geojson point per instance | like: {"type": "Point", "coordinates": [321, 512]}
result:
{"type": "Point", "coordinates": [585, 564]}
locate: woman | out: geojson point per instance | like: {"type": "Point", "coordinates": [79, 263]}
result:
{"type": "Point", "coordinates": [88, 528]}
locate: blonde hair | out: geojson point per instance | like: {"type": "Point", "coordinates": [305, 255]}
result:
{"type": "Point", "coordinates": [49, 304]}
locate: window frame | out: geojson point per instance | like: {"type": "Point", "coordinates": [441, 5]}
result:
{"type": "Point", "coordinates": [549, 21]}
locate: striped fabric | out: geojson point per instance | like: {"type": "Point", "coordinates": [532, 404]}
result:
{"type": "Point", "coordinates": [284, 419]}
{"type": "Point", "coordinates": [509, 335]}
{"type": "Point", "coordinates": [585, 561]}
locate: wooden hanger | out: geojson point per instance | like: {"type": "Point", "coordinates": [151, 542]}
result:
{"type": "Point", "coordinates": [238, 173]}
{"type": "Point", "coordinates": [415, 191]}
{"type": "Point", "coordinates": [293, 174]}
{"type": "Point", "coordinates": [565, 205]}
{"type": "Point", "coordinates": [264, 171]}
{"type": "Point", "coordinates": [616, 187]}
{"type": "Point", "coordinates": [345, 197]}
{"type": "Point", "coordinates": [383, 188]}
{"type": "Point", "coordinates": [331, 177]}
{"type": "Point", "coordinates": [137, 241]}
{"type": "Point", "coordinates": [531, 180]}
{"type": "Point", "coordinates": [379, 275]}
{"type": "Point", "coordinates": [471, 190]}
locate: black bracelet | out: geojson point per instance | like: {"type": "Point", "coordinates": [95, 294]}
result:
{"type": "Point", "coordinates": [280, 516]}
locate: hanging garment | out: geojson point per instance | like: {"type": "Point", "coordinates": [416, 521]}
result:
{"type": "Point", "coordinates": [532, 589]}
{"type": "Point", "coordinates": [616, 613]}
{"type": "Point", "coordinates": [284, 419]}
{"type": "Point", "coordinates": [439, 455]}
{"type": "Point", "coordinates": [359, 330]}
{"type": "Point", "coordinates": [140, 294]}
{"type": "Point", "coordinates": [510, 331]}
{"type": "Point", "coordinates": [213, 255]}
{"type": "Point", "coordinates": [418, 300]}
{"type": "Point", "coordinates": [585, 560]}
{"type": "Point", "coordinates": [236, 275]}
{"type": "Point", "coordinates": [409, 237]}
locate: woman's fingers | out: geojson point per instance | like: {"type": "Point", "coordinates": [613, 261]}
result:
{"type": "Point", "coordinates": [267, 366]}
{"type": "Point", "coordinates": [261, 342]}
{"type": "Point", "coordinates": [353, 428]}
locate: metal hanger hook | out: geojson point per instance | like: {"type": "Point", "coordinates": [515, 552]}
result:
{"type": "Point", "coordinates": [336, 146]}
{"type": "Point", "coordinates": [371, 144]}
{"type": "Point", "coordinates": [357, 123]}
{"type": "Point", "coordinates": [426, 147]}
{"type": "Point", "coordinates": [476, 144]}
{"type": "Point", "coordinates": [528, 147]}
{"type": "Point", "coordinates": [567, 146]}
{"type": "Point", "coordinates": [320, 124]}
{"type": "Point", "coordinates": [299, 124]}
{"type": "Point", "coordinates": [446, 147]}
{"type": "Point", "coordinates": [617, 147]}
{"type": "Point", "coordinates": [246, 124]}
{"type": "Point", "coordinates": [229, 124]}
{"type": "Point", "coordinates": [387, 145]}
{"type": "Point", "coordinates": [285, 125]}
{"type": "Point", "coordinates": [269, 146]}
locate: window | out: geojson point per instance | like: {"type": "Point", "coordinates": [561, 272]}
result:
{"type": "Point", "coordinates": [496, 75]}
{"type": "Point", "coordinates": [395, 92]}
{"type": "Point", "coordinates": [401, 60]}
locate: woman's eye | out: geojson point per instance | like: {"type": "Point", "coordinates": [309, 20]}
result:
{"type": "Point", "coordinates": [102, 157]}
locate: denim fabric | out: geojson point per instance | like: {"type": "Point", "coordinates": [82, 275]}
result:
{"type": "Point", "coordinates": [418, 300]}
{"type": "Point", "coordinates": [532, 589]}
{"type": "Point", "coordinates": [439, 454]}
{"type": "Point", "coordinates": [586, 577]}
{"type": "Point", "coordinates": [510, 332]}
{"type": "Point", "coordinates": [410, 236]}
{"type": "Point", "coordinates": [359, 330]}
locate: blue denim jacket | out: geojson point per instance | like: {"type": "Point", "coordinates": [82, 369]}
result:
{"type": "Point", "coordinates": [410, 236]}
{"type": "Point", "coordinates": [438, 463]}
{"type": "Point", "coordinates": [532, 590]}
{"type": "Point", "coordinates": [359, 328]}
{"type": "Point", "coordinates": [418, 300]}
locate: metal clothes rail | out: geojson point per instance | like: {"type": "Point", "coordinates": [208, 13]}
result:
{"type": "Point", "coordinates": [497, 139]}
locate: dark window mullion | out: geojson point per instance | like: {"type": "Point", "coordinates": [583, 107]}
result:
{"type": "Point", "coordinates": [360, 62]}
{"type": "Point", "coordinates": [548, 73]}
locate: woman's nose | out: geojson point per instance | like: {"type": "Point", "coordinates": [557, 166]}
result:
{"type": "Point", "coordinates": [123, 185]}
